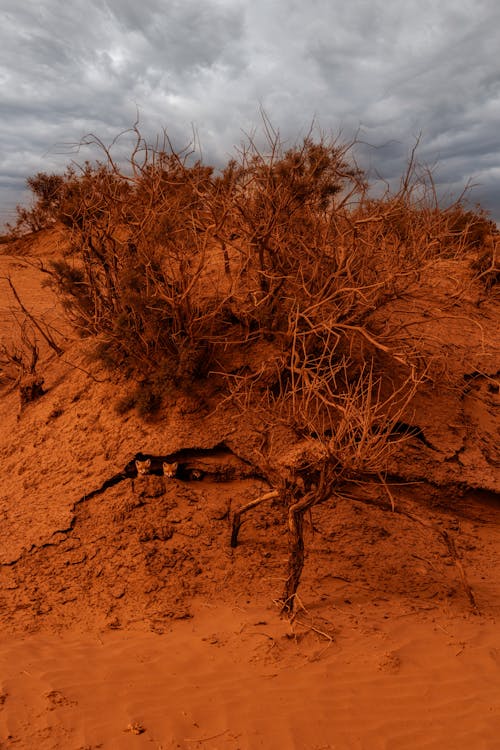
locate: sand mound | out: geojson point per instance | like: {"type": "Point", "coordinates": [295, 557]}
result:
{"type": "Point", "coordinates": [128, 620]}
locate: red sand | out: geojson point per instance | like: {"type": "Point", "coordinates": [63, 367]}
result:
{"type": "Point", "coordinates": [127, 621]}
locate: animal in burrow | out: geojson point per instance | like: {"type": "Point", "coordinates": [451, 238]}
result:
{"type": "Point", "coordinates": [143, 467]}
{"type": "Point", "coordinates": [170, 469]}
{"type": "Point", "coordinates": [176, 470]}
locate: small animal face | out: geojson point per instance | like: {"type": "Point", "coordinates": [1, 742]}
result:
{"type": "Point", "coordinates": [170, 470]}
{"type": "Point", "coordinates": [143, 467]}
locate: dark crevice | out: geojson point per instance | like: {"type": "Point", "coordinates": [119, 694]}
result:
{"type": "Point", "coordinates": [189, 460]}
{"type": "Point", "coordinates": [401, 429]}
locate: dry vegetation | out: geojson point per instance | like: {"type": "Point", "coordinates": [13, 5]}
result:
{"type": "Point", "coordinates": [267, 283]}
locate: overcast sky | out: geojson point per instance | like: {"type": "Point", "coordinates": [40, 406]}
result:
{"type": "Point", "coordinates": [387, 70]}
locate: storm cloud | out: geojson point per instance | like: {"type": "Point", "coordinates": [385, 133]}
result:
{"type": "Point", "coordinates": [385, 72]}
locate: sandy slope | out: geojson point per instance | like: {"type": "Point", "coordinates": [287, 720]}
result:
{"type": "Point", "coordinates": [130, 610]}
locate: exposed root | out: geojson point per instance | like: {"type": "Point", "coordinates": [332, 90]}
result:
{"type": "Point", "coordinates": [307, 626]}
{"type": "Point", "coordinates": [445, 536]}
{"type": "Point", "coordinates": [296, 513]}
{"type": "Point", "coordinates": [452, 549]}
{"type": "Point", "coordinates": [252, 504]}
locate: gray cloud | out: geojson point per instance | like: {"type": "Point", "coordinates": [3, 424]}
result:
{"type": "Point", "coordinates": [388, 71]}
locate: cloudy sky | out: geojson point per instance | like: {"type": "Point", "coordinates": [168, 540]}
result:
{"type": "Point", "coordinates": [386, 70]}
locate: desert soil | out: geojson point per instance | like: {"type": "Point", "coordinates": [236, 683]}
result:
{"type": "Point", "coordinates": [127, 621]}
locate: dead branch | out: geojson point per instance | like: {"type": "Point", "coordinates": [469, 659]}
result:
{"type": "Point", "coordinates": [43, 332]}
{"type": "Point", "coordinates": [447, 539]}
{"type": "Point", "coordinates": [452, 550]}
{"type": "Point", "coordinates": [249, 506]}
{"type": "Point", "coordinates": [296, 513]}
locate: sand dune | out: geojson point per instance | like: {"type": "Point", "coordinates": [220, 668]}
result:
{"type": "Point", "coordinates": [126, 621]}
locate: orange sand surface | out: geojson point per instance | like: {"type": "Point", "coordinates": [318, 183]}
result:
{"type": "Point", "coordinates": [127, 621]}
{"type": "Point", "coordinates": [239, 677]}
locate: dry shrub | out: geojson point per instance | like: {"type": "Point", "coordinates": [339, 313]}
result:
{"type": "Point", "coordinates": [173, 267]}
{"type": "Point", "coordinates": [134, 275]}
{"type": "Point", "coordinates": [43, 213]}
{"type": "Point", "coordinates": [171, 264]}
{"type": "Point", "coordinates": [486, 262]}
{"type": "Point", "coordinates": [18, 364]}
